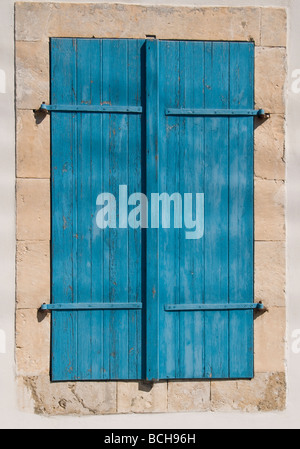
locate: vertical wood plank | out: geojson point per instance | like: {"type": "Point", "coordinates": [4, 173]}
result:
{"type": "Point", "coordinates": [216, 210]}
{"type": "Point", "coordinates": [64, 136]}
{"type": "Point", "coordinates": [241, 238]}
{"type": "Point", "coordinates": [199, 186]}
{"type": "Point", "coordinates": [82, 183]}
{"type": "Point", "coordinates": [105, 99]}
{"type": "Point", "coordinates": [186, 268]}
{"type": "Point", "coordinates": [191, 181]}
{"type": "Point", "coordinates": [118, 154]}
{"type": "Point", "coordinates": [97, 248]}
{"type": "Point", "coordinates": [169, 175]}
{"type": "Point", "coordinates": [135, 157]}
{"type": "Point", "coordinates": [152, 158]}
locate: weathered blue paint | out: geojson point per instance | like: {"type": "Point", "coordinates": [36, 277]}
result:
{"type": "Point", "coordinates": [214, 155]}
{"type": "Point", "coordinates": [157, 116]}
{"type": "Point", "coordinates": [93, 153]}
{"type": "Point", "coordinates": [92, 306]}
{"type": "Point", "coordinates": [92, 108]}
{"type": "Point", "coordinates": [216, 112]}
{"type": "Point", "coordinates": [152, 184]}
{"type": "Point", "coordinates": [212, 307]}
{"type": "Point", "coordinates": [241, 206]}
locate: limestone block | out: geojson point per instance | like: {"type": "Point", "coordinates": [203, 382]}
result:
{"type": "Point", "coordinates": [269, 155]}
{"type": "Point", "coordinates": [273, 27]}
{"type": "Point", "coordinates": [270, 273]}
{"type": "Point", "coordinates": [24, 396]}
{"type": "Point", "coordinates": [33, 145]}
{"type": "Point", "coordinates": [31, 20]}
{"type": "Point", "coordinates": [269, 200]}
{"type": "Point", "coordinates": [98, 397]}
{"type": "Point", "coordinates": [135, 21]}
{"type": "Point", "coordinates": [82, 398]}
{"type": "Point", "coordinates": [270, 75]}
{"type": "Point", "coordinates": [32, 343]}
{"type": "Point", "coordinates": [32, 74]}
{"type": "Point", "coordinates": [188, 396]}
{"type": "Point", "coordinates": [266, 392]}
{"type": "Point", "coordinates": [33, 274]}
{"type": "Point", "coordinates": [33, 209]}
{"type": "Point", "coordinates": [140, 397]}
{"type": "Point", "coordinates": [269, 341]}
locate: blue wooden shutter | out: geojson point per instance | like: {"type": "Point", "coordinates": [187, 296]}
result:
{"type": "Point", "coordinates": [151, 304]}
{"type": "Point", "coordinates": [197, 152]}
{"type": "Point", "coordinates": [93, 153]}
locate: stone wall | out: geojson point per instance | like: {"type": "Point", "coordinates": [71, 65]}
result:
{"type": "Point", "coordinates": [35, 24]}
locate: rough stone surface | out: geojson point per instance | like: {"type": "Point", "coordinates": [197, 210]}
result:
{"type": "Point", "coordinates": [267, 392]}
{"type": "Point", "coordinates": [33, 209]}
{"type": "Point", "coordinates": [140, 397]}
{"type": "Point", "coordinates": [270, 273]}
{"type": "Point", "coordinates": [269, 156]}
{"type": "Point", "coordinates": [82, 398]}
{"type": "Point", "coordinates": [270, 75]}
{"type": "Point", "coordinates": [32, 74]}
{"type": "Point", "coordinates": [33, 274]}
{"type": "Point", "coordinates": [134, 21]}
{"type": "Point", "coordinates": [24, 396]}
{"type": "Point", "coordinates": [32, 342]}
{"type": "Point", "coordinates": [269, 200]}
{"type": "Point", "coordinates": [269, 341]}
{"type": "Point", "coordinates": [273, 27]}
{"type": "Point", "coordinates": [33, 145]}
{"type": "Point", "coordinates": [188, 396]}
{"type": "Point", "coordinates": [31, 20]}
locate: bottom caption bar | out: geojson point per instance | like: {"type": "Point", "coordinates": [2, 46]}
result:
{"type": "Point", "coordinates": [145, 438]}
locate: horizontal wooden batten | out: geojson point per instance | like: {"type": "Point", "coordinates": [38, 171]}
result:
{"type": "Point", "coordinates": [215, 112]}
{"type": "Point", "coordinates": [91, 306]}
{"type": "Point", "coordinates": [91, 109]}
{"type": "Point", "coordinates": [211, 307]}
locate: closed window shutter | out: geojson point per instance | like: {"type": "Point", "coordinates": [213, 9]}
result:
{"type": "Point", "coordinates": [94, 153]}
{"type": "Point", "coordinates": [151, 303]}
{"type": "Point", "coordinates": [213, 155]}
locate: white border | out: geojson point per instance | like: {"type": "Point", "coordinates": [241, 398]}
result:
{"type": "Point", "coordinates": [10, 417]}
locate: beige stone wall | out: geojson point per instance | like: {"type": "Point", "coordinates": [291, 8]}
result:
{"type": "Point", "coordinates": [35, 24]}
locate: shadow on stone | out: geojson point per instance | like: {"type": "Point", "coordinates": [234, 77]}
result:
{"type": "Point", "coordinates": [258, 313]}
{"type": "Point", "coordinates": [39, 116]}
{"type": "Point", "coordinates": [145, 386]}
{"type": "Point", "coordinates": [41, 315]}
{"type": "Point", "coordinates": [258, 121]}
